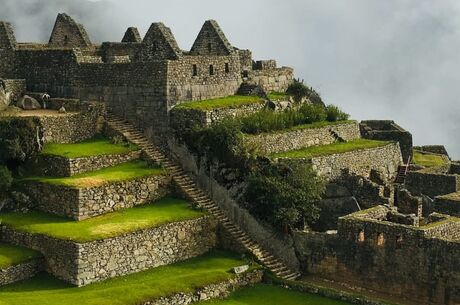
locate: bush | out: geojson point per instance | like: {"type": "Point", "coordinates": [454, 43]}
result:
{"type": "Point", "coordinates": [335, 114]}
{"type": "Point", "coordinates": [284, 195]}
{"type": "Point", "coordinates": [19, 139]}
{"type": "Point", "coordinates": [298, 90]}
{"type": "Point", "coordinates": [6, 179]}
{"type": "Point", "coordinates": [312, 113]}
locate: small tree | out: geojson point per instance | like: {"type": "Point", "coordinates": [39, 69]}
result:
{"type": "Point", "coordinates": [284, 195]}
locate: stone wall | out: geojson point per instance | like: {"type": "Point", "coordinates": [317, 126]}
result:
{"type": "Point", "coordinates": [16, 87]}
{"type": "Point", "coordinates": [267, 143]}
{"type": "Point", "coordinates": [7, 45]}
{"type": "Point", "coordinates": [388, 131]}
{"type": "Point", "coordinates": [272, 80]}
{"type": "Point", "coordinates": [82, 264]}
{"type": "Point", "coordinates": [22, 271]}
{"type": "Point", "coordinates": [213, 291]}
{"type": "Point", "coordinates": [280, 245]}
{"type": "Point", "coordinates": [432, 184]}
{"type": "Point", "coordinates": [184, 118]}
{"type": "Point", "coordinates": [448, 204]}
{"type": "Point", "coordinates": [384, 160]}
{"type": "Point", "coordinates": [82, 203]}
{"type": "Point", "coordinates": [389, 258]}
{"type": "Point", "coordinates": [183, 85]}
{"type": "Point", "coordinates": [57, 166]}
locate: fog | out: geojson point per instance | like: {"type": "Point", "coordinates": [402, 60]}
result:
{"type": "Point", "coordinates": [392, 59]}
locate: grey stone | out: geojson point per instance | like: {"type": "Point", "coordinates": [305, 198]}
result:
{"type": "Point", "coordinates": [28, 103]}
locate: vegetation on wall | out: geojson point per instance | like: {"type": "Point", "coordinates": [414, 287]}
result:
{"type": "Point", "coordinates": [284, 195]}
{"type": "Point", "coordinates": [299, 91]}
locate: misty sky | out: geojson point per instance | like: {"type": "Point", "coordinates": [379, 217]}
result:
{"type": "Point", "coordinates": [391, 59]}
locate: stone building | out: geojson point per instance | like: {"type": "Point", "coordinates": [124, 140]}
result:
{"type": "Point", "coordinates": [138, 79]}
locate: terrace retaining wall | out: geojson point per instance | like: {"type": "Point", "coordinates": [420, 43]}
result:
{"type": "Point", "coordinates": [213, 291]}
{"type": "Point", "coordinates": [57, 166]}
{"type": "Point", "coordinates": [181, 118]}
{"type": "Point", "coordinates": [267, 143]}
{"type": "Point", "coordinates": [22, 271]}
{"type": "Point", "coordinates": [84, 263]}
{"type": "Point", "coordinates": [82, 203]}
{"type": "Point", "coordinates": [384, 160]}
{"type": "Point", "coordinates": [432, 183]}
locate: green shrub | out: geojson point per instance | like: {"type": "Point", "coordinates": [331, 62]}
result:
{"type": "Point", "coordinates": [19, 138]}
{"type": "Point", "coordinates": [6, 179]}
{"type": "Point", "coordinates": [312, 113]}
{"type": "Point", "coordinates": [298, 90]}
{"type": "Point", "coordinates": [335, 114]}
{"type": "Point", "coordinates": [284, 195]}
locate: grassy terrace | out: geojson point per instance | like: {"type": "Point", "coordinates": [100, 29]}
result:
{"type": "Point", "coordinates": [164, 211]}
{"type": "Point", "coordinates": [428, 160]}
{"type": "Point", "coordinates": [232, 101]}
{"type": "Point", "coordinates": [125, 171]}
{"type": "Point", "coordinates": [335, 148]}
{"type": "Point", "coordinates": [12, 255]}
{"type": "Point", "coordinates": [278, 96]}
{"type": "Point", "coordinates": [313, 126]}
{"type": "Point", "coordinates": [93, 147]}
{"type": "Point", "coordinates": [127, 290]}
{"type": "Point", "coordinates": [272, 295]}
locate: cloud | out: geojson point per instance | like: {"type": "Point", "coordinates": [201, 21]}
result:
{"type": "Point", "coordinates": [393, 59]}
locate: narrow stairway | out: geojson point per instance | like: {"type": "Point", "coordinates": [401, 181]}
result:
{"type": "Point", "coordinates": [188, 186]}
{"type": "Point", "coordinates": [402, 173]}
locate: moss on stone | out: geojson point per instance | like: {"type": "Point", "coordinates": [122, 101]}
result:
{"type": "Point", "coordinates": [166, 210]}
{"type": "Point", "coordinates": [278, 96]}
{"type": "Point", "coordinates": [335, 148]}
{"type": "Point", "coordinates": [232, 101]}
{"type": "Point", "coordinates": [12, 255]}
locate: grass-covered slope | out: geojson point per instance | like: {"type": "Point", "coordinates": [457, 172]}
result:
{"type": "Point", "coordinates": [335, 148]}
{"type": "Point", "coordinates": [224, 102]}
{"type": "Point", "coordinates": [12, 255]}
{"type": "Point", "coordinates": [428, 160]}
{"type": "Point", "coordinates": [125, 171]}
{"type": "Point", "coordinates": [164, 211]}
{"type": "Point", "coordinates": [133, 289]}
{"type": "Point", "coordinates": [272, 295]}
{"type": "Point", "coordinates": [93, 147]}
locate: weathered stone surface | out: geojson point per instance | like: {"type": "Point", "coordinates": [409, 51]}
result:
{"type": "Point", "coordinates": [21, 271]}
{"type": "Point", "coordinates": [268, 143]}
{"type": "Point", "coordinates": [56, 166]}
{"type": "Point", "coordinates": [28, 103]}
{"type": "Point", "coordinates": [82, 203]}
{"type": "Point", "coordinates": [84, 263]}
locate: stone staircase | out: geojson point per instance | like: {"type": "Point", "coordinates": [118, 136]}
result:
{"type": "Point", "coordinates": [402, 173]}
{"type": "Point", "coordinates": [192, 191]}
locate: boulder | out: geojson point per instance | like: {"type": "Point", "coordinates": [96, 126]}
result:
{"type": "Point", "coordinates": [28, 103]}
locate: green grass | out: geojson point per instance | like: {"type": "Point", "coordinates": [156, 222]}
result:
{"type": "Point", "coordinates": [127, 290]}
{"type": "Point", "coordinates": [232, 101]}
{"type": "Point", "coordinates": [428, 160]}
{"type": "Point", "coordinates": [164, 211]}
{"type": "Point", "coordinates": [93, 147]}
{"type": "Point", "coordinates": [314, 125]}
{"type": "Point", "coordinates": [263, 294]}
{"type": "Point", "coordinates": [278, 96]}
{"type": "Point", "coordinates": [335, 148]}
{"type": "Point", "coordinates": [124, 171]}
{"type": "Point", "coordinates": [12, 255]}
